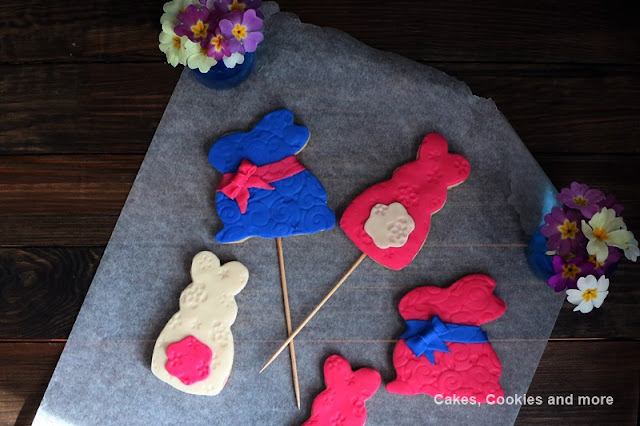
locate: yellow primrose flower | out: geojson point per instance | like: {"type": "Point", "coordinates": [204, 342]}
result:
{"type": "Point", "coordinates": [605, 229]}
{"type": "Point", "coordinates": [173, 8]}
{"type": "Point", "coordinates": [200, 61]}
{"type": "Point", "coordinates": [177, 48]}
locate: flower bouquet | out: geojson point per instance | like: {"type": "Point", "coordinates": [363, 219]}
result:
{"type": "Point", "coordinates": [207, 35]}
{"type": "Point", "coordinates": [585, 238]}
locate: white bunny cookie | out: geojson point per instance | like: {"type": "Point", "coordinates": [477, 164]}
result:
{"type": "Point", "coordinates": [194, 352]}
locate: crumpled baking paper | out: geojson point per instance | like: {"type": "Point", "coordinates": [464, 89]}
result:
{"type": "Point", "coordinates": [368, 112]}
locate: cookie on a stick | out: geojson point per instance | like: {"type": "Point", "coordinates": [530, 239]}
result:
{"type": "Point", "coordinates": [390, 221]}
{"type": "Point", "coordinates": [266, 192]}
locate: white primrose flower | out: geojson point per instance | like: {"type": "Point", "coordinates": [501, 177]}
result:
{"type": "Point", "coordinates": [233, 60]}
{"type": "Point", "coordinates": [590, 293]}
{"type": "Point", "coordinates": [631, 250]}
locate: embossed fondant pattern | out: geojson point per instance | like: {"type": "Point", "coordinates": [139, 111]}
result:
{"type": "Point", "coordinates": [469, 369]}
{"type": "Point", "coordinates": [207, 311]}
{"type": "Point", "coordinates": [421, 187]}
{"type": "Point", "coordinates": [296, 205]}
{"type": "Point", "coordinates": [342, 402]}
{"type": "Point", "coordinates": [389, 226]}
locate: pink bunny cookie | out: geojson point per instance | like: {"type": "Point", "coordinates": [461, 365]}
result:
{"type": "Point", "coordinates": [438, 322]}
{"type": "Point", "coordinates": [342, 402]}
{"type": "Point", "coordinates": [390, 221]}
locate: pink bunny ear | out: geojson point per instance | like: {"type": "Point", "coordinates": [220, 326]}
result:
{"type": "Point", "coordinates": [433, 147]}
{"type": "Point", "coordinates": [434, 151]}
{"type": "Point", "coordinates": [338, 374]}
{"type": "Point", "coordinates": [336, 368]}
{"type": "Point", "coordinates": [469, 300]}
{"type": "Point", "coordinates": [368, 380]}
{"type": "Point", "coordinates": [342, 402]}
{"type": "Point", "coordinates": [457, 171]}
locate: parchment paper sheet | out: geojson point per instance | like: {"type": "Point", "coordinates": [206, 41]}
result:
{"type": "Point", "coordinates": [368, 112]}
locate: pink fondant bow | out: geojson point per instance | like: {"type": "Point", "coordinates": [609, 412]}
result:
{"type": "Point", "coordinates": [236, 185]}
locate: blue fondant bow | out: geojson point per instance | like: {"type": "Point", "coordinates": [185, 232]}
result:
{"type": "Point", "coordinates": [425, 337]}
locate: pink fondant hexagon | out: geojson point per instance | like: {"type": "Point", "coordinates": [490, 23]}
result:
{"type": "Point", "coordinates": [189, 360]}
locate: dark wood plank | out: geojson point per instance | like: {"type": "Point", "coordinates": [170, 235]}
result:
{"type": "Point", "coordinates": [43, 290]}
{"type": "Point", "coordinates": [74, 200]}
{"type": "Point", "coordinates": [562, 108]}
{"type": "Point", "coordinates": [566, 368]}
{"type": "Point", "coordinates": [63, 200]}
{"type": "Point", "coordinates": [495, 30]}
{"type": "Point", "coordinates": [53, 184]}
{"type": "Point", "coordinates": [79, 31]}
{"type": "Point", "coordinates": [100, 108]}
{"type": "Point", "coordinates": [25, 370]}
{"type": "Point", "coordinates": [596, 31]}
{"type": "Point", "coordinates": [614, 174]}
{"type": "Point", "coordinates": [115, 108]}
{"type": "Point", "coordinates": [586, 369]}
{"type": "Point", "coordinates": [62, 230]}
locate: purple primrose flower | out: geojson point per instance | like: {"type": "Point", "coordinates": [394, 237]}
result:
{"type": "Point", "coordinates": [580, 197]}
{"type": "Point", "coordinates": [196, 23]}
{"type": "Point", "coordinates": [610, 202]}
{"type": "Point", "coordinates": [226, 6]}
{"type": "Point", "coordinates": [243, 31]}
{"type": "Point", "coordinates": [568, 272]}
{"type": "Point", "coordinates": [562, 231]}
{"type": "Point", "coordinates": [218, 46]}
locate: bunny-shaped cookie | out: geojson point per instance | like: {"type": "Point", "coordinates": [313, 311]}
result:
{"type": "Point", "coordinates": [459, 369]}
{"type": "Point", "coordinates": [194, 352]}
{"type": "Point", "coordinates": [265, 191]}
{"type": "Point", "coordinates": [342, 402]}
{"type": "Point", "coordinates": [390, 221]}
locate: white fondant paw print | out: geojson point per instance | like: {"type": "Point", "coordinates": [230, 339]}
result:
{"type": "Point", "coordinates": [380, 209]}
{"type": "Point", "coordinates": [389, 226]}
{"type": "Point", "coordinates": [207, 311]}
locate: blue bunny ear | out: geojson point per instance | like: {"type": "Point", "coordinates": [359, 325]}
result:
{"type": "Point", "coordinates": [272, 139]}
{"type": "Point", "coordinates": [280, 124]}
{"type": "Point", "coordinates": [276, 120]}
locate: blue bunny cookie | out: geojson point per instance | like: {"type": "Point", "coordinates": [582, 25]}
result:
{"type": "Point", "coordinates": [265, 191]}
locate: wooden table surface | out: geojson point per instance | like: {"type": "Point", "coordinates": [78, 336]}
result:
{"type": "Point", "coordinates": [83, 87]}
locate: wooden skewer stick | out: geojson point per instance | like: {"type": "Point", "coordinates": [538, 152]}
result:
{"type": "Point", "coordinates": [287, 316]}
{"type": "Point", "coordinates": [315, 310]}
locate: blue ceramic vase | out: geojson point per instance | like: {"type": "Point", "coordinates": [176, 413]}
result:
{"type": "Point", "coordinates": [220, 77]}
{"type": "Point", "coordinates": [539, 261]}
